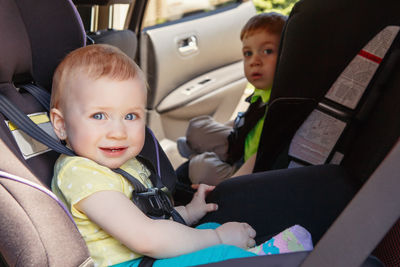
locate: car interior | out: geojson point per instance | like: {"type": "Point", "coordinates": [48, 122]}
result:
{"type": "Point", "coordinates": [338, 69]}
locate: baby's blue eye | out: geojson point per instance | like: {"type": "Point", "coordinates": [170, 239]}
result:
{"type": "Point", "coordinates": [99, 116]}
{"type": "Point", "coordinates": [130, 117]}
{"type": "Point", "coordinates": [268, 51]}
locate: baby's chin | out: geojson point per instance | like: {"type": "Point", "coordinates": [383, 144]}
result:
{"type": "Point", "coordinates": [110, 164]}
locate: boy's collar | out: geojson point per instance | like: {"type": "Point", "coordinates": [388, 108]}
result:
{"type": "Point", "coordinates": [263, 93]}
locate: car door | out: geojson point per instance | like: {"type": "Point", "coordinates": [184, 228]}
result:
{"type": "Point", "coordinates": [192, 63]}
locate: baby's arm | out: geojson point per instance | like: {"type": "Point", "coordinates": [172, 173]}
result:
{"type": "Point", "coordinates": [198, 207]}
{"type": "Point", "coordinates": [119, 217]}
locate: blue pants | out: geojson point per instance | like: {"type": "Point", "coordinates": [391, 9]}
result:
{"type": "Point", "coordinates": [203, 256]}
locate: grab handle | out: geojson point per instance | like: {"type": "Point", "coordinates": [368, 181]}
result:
{"type": "Point", "coordinates": [187, 46]}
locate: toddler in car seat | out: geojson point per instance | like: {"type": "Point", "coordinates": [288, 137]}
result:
{"type": "Point", "coordinates": [98, 108]}
{"type": "Point", "coordinates": [216, 151]}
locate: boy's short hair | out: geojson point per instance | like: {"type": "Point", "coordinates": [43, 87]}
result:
{"type": "Point", "coordinates": [271, 22]}
{"type": "Point", "coordinates": [95, 61]}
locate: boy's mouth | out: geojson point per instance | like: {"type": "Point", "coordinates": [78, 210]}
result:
{"type": "Point", "coordinates": [256, 75]}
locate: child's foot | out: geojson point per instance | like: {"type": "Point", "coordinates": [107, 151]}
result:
{"type": "Point", "coordinates": [295, 238]}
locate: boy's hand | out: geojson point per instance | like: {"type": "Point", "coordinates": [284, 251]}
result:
{"type": "Point", "coordinates": [198, 207]}
{"type": "Point", "coordinates": [237, 234]}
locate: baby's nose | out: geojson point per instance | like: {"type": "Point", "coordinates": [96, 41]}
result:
{"type": "Point", "coordinates": [117, 130]}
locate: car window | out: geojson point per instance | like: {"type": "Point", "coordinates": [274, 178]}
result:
{"type": "Point", "coordinates": [119, 13]}
{"type": "Point", "coordinates": [162, 11]}
{"type": "Point", "coordinates": [159, 12]}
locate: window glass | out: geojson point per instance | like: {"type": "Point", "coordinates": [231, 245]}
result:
{"type": "Point", "coordinates": [280, 6]}
{"type": "Point", "coordinates": [161, 11]}
{"type": "Point", "coordinates": [119, 12]}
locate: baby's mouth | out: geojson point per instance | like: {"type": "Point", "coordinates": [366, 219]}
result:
{"type": "Point", "coordinates": [113, 149]}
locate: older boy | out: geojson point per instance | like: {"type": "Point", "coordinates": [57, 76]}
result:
{"type": "Point", "coordinates": [216, 151]}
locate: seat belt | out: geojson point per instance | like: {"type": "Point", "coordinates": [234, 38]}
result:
{"type": "Point", "coordinates": [317, 138]}
{"type": "Point", "coordinates": [365, 221]}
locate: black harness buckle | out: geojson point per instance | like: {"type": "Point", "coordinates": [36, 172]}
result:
{"type": "Point", "coordinates": [154, 202]}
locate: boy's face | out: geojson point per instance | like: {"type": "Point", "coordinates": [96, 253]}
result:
{"type": "Point", "coordinates": [103, 120]}
{"type": "Point", "coordinates": [260, 51]}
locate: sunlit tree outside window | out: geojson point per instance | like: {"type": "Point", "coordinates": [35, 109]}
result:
{"type": "Point", "coordinates": [281, 6]}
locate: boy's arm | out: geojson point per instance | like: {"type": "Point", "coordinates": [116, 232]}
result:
{"type": "Point", "coordinates": [119, 217]}
{"type": "Point", "coordinates": [247, 167]}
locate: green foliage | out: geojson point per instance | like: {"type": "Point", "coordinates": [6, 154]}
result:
{"type": "Point", "coordinates": [280, 6]}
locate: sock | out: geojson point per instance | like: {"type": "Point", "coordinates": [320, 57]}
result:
{"type": "Point", "coordinates": [295, 238]}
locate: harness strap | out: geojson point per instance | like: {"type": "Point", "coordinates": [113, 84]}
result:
{"type": "Point", "coordinates": [139, 187]}
{"type": "Point", "coordinates": [24, 123]}
{"type": "Point", "coordinates": [243, 124]}
{"type": "Point", "coordinates": [39, 93]}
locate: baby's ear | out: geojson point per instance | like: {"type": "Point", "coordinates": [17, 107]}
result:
{"type": "Point", "coordinates": [57, 119]}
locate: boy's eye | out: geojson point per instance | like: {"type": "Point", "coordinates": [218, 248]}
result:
{"type": "Point", "coordinates": [268, 51]}
{"type": "Point", "coordinates": [99, 116]}
{"type": "Point", "coordinates": [247, 53]}
{"type": "Point", "coordinates": [130, 117]}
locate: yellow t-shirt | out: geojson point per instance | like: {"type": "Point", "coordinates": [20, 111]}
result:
{"type": "Point", "coordinates": [76, 178]}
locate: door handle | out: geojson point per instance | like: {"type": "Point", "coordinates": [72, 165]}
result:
{"type": "Point", "coordinates": [187, 46]}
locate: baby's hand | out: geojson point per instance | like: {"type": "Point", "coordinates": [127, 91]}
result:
{"type": "Point", "coordinates": [198, 207]}
{"type": "Point", "coordinates": [237, 234]}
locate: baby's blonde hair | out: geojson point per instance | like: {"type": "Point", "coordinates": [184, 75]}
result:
{"type": "Point", "coordinates": [95, 61]}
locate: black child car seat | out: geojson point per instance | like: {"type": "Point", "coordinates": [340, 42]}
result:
{"type": "Point", "coordinates": [335, 98]}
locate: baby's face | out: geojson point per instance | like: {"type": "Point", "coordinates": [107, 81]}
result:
{"type": "Point", "coordinates": [260, 52]}
{"type": "Point", "coordinates": [105, 119]}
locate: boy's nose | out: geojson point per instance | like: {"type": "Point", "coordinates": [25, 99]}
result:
{"type": "Point", "coordinates": [117, 130]}
{"type": "Point", "coordinates": [255, 60]}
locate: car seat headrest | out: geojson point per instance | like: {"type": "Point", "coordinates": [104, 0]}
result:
{"type": "Point", "coordinates": [54, 28]}
{"type": "Point", "coordinates": [39, 35]}
{"type": "Point", "coordinates": [314, 54]}
{"type": "Point", "coordinates": [15, 51]}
